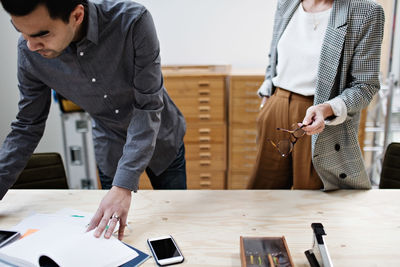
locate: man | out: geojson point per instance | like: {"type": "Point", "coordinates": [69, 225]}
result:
{"type": "Point", "coordinates": [105, 57]}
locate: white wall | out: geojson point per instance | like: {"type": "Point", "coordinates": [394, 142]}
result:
{"type": "Point", "coordinates": [235, 32]}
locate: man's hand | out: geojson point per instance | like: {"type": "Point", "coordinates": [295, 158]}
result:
{"type": "Point", "coordinates": [315, 118]}
{"type": "Point", "coordinates": [113, 208]}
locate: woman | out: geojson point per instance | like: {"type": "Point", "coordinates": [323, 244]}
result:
{"type": "Point", "coordinates": [323, 70]}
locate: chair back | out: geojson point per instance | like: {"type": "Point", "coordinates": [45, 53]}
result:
{"type": "Point", "coordinates": [390, 175]}
{"type": "Point", "coordinates": [43, 171]}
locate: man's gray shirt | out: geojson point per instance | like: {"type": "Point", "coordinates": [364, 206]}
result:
{"type": "Point", "coordinates": [114, 74]}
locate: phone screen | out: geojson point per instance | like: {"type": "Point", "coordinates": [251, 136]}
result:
{"type": "Point", "coordinates": [4, 235]}
{"type": "Point", "coordinates": [164, 248]}
{"type": "Point", "coordinates": [7, 237]}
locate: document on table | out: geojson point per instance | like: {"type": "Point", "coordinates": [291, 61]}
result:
{"type": "Point", "coordinates": [62, 237]}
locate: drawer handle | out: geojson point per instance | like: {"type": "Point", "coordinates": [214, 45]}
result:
{"type": "Point", "coordinates": [250, 110]}
{"type": "Point", "coordinates": [252, 101]}
{"type": "Point", "coordinates": [254, 132]}
{"type": "Point", "coordinates": [205, 162]}
{"type": "Point", "coordinates": [205, 183]}
{"type": "Point", "coordinates": [249, 141]}
{"type": "Point", "coordinates": [205, 155]}
{"type": "Point", "coordinates": [206, 100]}
{"type": "Point", "coordinates": [249, 149]}
{"type": "Point", "coordinates": [205, 147]}
{"type": "Point", "coordinates": [204, 139]}
{"type": "Point", "coordinates": [248, 165]}
{"type": "Point", "coordinates": [204, 108]}
{"type": "Point", "coordinates": [205, 175]}
{"type": "Point", "coordinates": [250, 93]}
{"type": "Point", "coordinates": [204, 116]}
{"type": "Point", "coordinates": [204, 83]}
{"type": "Point", "coordinates": [204, 92]}
{"type": "Point", "coordinates": [204, 130]}
{"type": "Point", "coordinates": [254, 84]}
{"type": "Point", "coordinates": [249, 157]}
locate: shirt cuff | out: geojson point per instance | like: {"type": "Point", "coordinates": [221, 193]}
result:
{"type": "Point", "coordinates": [126, 179]}
{"type": "Point", "coordinates": [265, 89]}
{"type": "Point", "coordinates": [339, 110]}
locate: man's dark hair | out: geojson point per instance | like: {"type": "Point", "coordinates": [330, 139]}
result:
{"type": "Point", "coordinates": [58, 9]}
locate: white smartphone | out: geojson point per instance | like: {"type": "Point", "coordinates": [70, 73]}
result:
{"type": "Point", "coordinates": [165, 250]}
{"type": "Point", "coordinates": [7, 237]}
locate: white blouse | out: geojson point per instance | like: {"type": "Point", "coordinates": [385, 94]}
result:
{"type": "Point", "coordinates": [299, 51]}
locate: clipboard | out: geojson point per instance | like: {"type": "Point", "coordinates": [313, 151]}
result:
{"type": "Point", "coordinates": [318, 256]}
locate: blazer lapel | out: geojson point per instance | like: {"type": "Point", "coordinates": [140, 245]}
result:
{"type": "Point", "coordinates": [331, 51]}
{"type": "Point", "coordinates": [287, 10]}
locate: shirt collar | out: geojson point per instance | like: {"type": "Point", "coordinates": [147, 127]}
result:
{"type": "Point", "coordinates": [92, 24]}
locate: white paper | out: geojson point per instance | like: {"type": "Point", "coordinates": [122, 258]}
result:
{"type": "Point", "coordinates": [64, 239]}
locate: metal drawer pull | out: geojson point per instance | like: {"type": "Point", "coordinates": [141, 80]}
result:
{"type": "Point", "coordinates": [204, 100]}
{"type": "Point", "coordinates": [205, 162]}
{"type": "Point", "coordinates": [250, 110]}
{"type": "Point", "coordinates": [204, 130]}
{"type": "Point", "coordinates": [205, 147]}
{"type": "Point", "coordinates": [204, 139]}
{"type": "Point", "coordinates": [205, 175]}
{"type": "Point", "coordinates": [205, 155]}
{"type": "Point", "coordinates": [249, 157]}
{"type": "Point", "coordinates": [252, 132]}
{"type": "Point", "coordinates": [204, 92]}
{"type": "Point", "coordinates": [255, 102]}
{"type": "Point", "coordinates": [204, 108]}
{"type": "Point", "coordinates": [204, 116]}
{"type": "Point", "coordinates": [247, 148]}
{"type": "Point", "coordinates": [254, 84]}
{"type": "Point", "coordinates": [205, 183]}
{"type": "Point", "coordinates": [204, 83]}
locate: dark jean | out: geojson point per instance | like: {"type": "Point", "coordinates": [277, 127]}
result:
{"type": "Point", "coordinates": [174, 177]}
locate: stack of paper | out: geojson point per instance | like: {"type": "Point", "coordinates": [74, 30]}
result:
{"type": "Point", "coordinates": [62, 238]}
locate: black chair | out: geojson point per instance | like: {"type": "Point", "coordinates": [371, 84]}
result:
{"type": "Point", "coordinates": [43, 171]}
{"type": "Point", "coordinates": [390, 175]}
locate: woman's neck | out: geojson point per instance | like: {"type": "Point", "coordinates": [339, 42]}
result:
{"type": "Point", "coordinates": [313, 6]}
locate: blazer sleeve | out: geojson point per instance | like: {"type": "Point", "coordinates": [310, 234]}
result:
{"type": "Point", "coordinates": [266, 87]}
{"type": "Point", "coordinates": [364, 70]}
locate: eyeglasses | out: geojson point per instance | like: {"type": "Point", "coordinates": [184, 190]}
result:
{"type": "Point", "coordinates": [285, 146]}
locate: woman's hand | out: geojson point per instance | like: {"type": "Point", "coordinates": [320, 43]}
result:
{"type": "Point", "coordinates": [315, 118]}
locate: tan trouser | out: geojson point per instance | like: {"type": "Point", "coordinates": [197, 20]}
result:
{"type": "Point", "coordinates": [272, 171]}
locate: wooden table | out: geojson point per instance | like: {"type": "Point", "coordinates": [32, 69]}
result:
{"type": "Point", "coordinates": [363, 227]}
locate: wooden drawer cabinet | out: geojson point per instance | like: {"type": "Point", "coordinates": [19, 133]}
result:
{"type": "Point", "coordinates": [195, 180]}
{"type": "Point", "coordinates": [245, 86]}
{"type": "Point", "coordinates": [201, 99]}
{"type": "Point", "coordinates": [243, 111]}
{"type": "Point", "coordinates": [144, 182]}
{"type": "Point", "coordinates": [238, 180]}
{"type": "Point", "coordinates": [206, 180]}
{"type": "Point", "coordinates": [200, 94]}
{"type": "Point", "coordinates": [195, 86]}
{"type": "Point", "coordinates": [202, 134]}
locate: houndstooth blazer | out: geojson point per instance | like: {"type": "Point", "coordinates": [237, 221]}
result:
{"type": "Point", "coordinates": [348, 69]}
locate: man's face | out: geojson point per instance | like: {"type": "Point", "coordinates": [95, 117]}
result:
{"type": "Point", "coordinates": [44, 35]}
